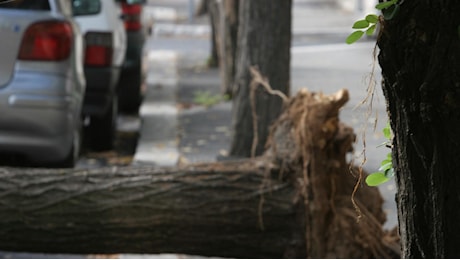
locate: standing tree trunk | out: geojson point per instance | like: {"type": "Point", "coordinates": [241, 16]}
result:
{"type": "Point", "coordinates": [223, 18]}
{"type": "Point", "coordinates": [420, 60]}
{"type": "Point", "coordinates": [264, 40]}
{"type": "Point", "coordinates": [215, 13]}
{"type": "Point", "coordinates": [213, 8]}
{"type": "Point", "coordinates": [229, 20]}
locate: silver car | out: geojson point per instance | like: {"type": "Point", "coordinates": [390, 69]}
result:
{"type": "Point", "coordinates": [42, 82]}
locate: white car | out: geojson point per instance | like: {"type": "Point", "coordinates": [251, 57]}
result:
{"type": "Point", "coordinates": [41, 81]}
{"type": "Point", "coordinates": [101, 22]}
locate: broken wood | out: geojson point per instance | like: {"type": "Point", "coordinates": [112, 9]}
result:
{"type": "Point", "coordinates": [309, 140]}
{"type": "Point", "coordinates": [294, 201]}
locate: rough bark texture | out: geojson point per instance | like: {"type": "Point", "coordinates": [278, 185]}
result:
{"type": "Point", "coordinates": [211, 211]}
{"type": "Point", "coordinates": [420, 60]}
{"type": "Point", "coordinates": [295, 201]}
{"type": "Point", "coordinates": [264, 40]}
{"type": "Point", "coordinates": [215, 13]}
{"type": "Point", "coordinates": [229, 40]}
{"type": "Point", "coordinates": [213, 8]}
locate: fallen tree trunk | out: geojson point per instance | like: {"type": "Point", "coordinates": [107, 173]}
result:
{"type": "Point", "coordinates": [208, 210]}
{"type": "Point", "coordinates": [295, 201]}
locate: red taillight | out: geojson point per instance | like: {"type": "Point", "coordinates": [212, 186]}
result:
{"type": "Point", "coordinates": [98, 51]}
{"type": "Point", "coordinates": [132, 16]}
{"type": "Point", "coordinates": [98, 56]}
{"type": "Point", "coordinates": [47, 41]}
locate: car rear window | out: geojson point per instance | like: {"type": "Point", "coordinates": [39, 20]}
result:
{"type": "Point", "coordinates": [86, 7]}
{"type": "Point", "coordinates": [25, 4]}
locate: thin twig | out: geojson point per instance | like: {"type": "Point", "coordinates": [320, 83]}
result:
{"type": "Point", "coordinates": [369, 99]}
{"type": "Point", "coordinates": [258, 80]}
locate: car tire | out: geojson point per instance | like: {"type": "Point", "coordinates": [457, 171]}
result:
{"type": "Point", "coordinates": [102, 130]}
{"type": "Point", "coordinates": [129, 90]}
{"type": "Point", "coordinates": [74, 152]}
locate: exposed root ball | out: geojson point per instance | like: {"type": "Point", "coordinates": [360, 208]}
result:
{"type": "Point", "coordinates": [309, 140]}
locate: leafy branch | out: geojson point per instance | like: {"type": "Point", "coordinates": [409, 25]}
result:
{"type": "Point", "coordinates": [368, 25]}
{"type": "Point", "coordinates": [386, 170]}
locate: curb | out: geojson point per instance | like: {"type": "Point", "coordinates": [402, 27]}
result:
{"type": "Point", "coordinates": [183, 30]}
{"type": "Point", "coordinates": [158, 143]}
{"type": "Point", "coordinates": [156, 13]}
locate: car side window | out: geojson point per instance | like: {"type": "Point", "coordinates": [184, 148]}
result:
{"type": "Point", "coordinates": [26, 4]}
{"type": "Point", "coordinates": [86, 7]}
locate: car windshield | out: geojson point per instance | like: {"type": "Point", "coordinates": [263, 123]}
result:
{"type": "Point", "coordinates": [25, 4]}
{"type": "Point", "coordinates": [86, 7]}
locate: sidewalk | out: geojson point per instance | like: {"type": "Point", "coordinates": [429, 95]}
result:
{"type": "Point", "coordinates": [175, 128]}
{"type": "Point", "coordinates": [204, 131]}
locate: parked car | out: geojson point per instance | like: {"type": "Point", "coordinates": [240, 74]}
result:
{"type": "Point", "coordinates": [129, 86]}
{"type": "Point", "coordinates": [105, 47]}
{"type": "Point", "coordinates": [41, 81]}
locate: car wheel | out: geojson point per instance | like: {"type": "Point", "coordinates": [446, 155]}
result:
{"type": "Point", "coordinates": [129, 90]}
{"type": "Point", "coordinates": [102, 130]}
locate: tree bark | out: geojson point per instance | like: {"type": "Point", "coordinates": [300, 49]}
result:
{"type": "Point", "coordinates": [223, 18]}
{"type": "Point", "coordinates": [215, 13]}
{"type": "Point", "coordinates": [202, 8]}
{"type": "Point", "coordinates": [213, 8]}
{"type": "Point", "coordinates": [264, 40]}
{"type": "Point", "coordinates": [229, 40]}
{"type": "Point", "coordinates": [420, 60]}
{"type": "Point", "coordinates": [208, 210]}
{"type": "Point", "coordinates": [295, 201]}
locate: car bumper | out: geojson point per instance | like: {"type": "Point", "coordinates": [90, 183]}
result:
{"type": "Point", "coordinates": [38, 124]}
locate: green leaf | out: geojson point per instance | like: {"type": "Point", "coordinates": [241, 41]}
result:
{"type": "Point", "coordinates": [386, 166]}
{"type": "Point", "coordinates": [383, 5]}
{"type": "Point", "coordinates": [372, 18]}
{"type": "Point", "coordinates": [387, 160]}
{"type": "Point", "coordinates": [370, 31]}
{"type": "Point", "coordinates": [389, 156]}
{"type": "Point", "coordinates": [387, 131]}
{"type": "Point", "coordinates": [361, 24]}
{"type": "Point", "coordinates": [376, 179]}
{"type": "Point", "coordinates": [353, 37]}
